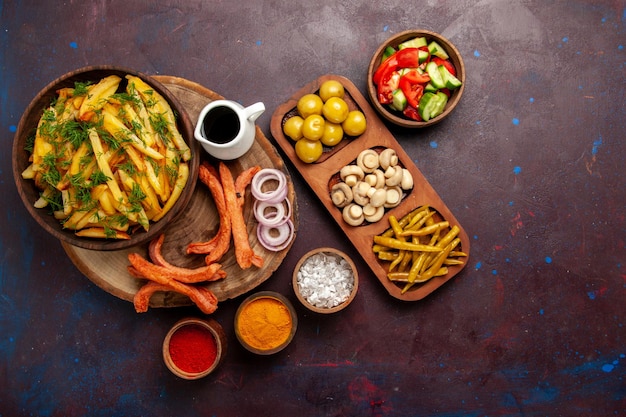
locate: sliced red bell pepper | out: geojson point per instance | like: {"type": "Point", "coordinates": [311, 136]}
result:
{"type": "Point", "coordinates": [446, 63]}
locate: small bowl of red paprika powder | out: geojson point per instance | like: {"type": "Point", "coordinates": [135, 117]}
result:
{"type": "Point", "coordinates": [193, 348]}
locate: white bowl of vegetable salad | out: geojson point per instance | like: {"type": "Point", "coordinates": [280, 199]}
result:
{"type": "Point", "coordinates": [416, 78]}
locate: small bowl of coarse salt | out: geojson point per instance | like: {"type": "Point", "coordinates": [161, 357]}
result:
{"type": "Point", "coordinates": [325, 280]}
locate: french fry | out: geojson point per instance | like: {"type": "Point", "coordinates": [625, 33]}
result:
{"type": "Point", "coordinates": [103, 164]}
{"type": "Point", "coordinates": [106, 202]}
{"type": "Point", "coordinates": [152, 205]}
{"type": "Point", "coordinates": [74, 219]}
{"type": "Point", "coordinates": [87, 219]}
{"type": "Point", "coordinates": [97, 95]}
{"type": "Point", "coordinates": [102, 233]}
{"type": "Point", "coordinates": [29, 172]}
{"type": "Point", "coordinates": [77, 158]}
{"type": "Point", "coordinates": [181, 180]}
{"type": "Point", "coordinates": [135, 157]}
{"type": "Point", "coordinates": [42, 201]}
{"type": "Point", "coordinates": [117, 129]}
{"type": "Point", "coordinates": [155, 183]}
{"type": "Point", "coordinates": [131, 186]}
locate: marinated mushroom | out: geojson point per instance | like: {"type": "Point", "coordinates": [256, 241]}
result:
{"type": "Point", "coordinates": [380, 178]}
{"type": "Point", "coordinates": [379, 197]}
{"type": "Point", "coordinates": [370, 179]}
{"type": "Point", "coordinates": [407, 180]}
{"type": "Point", "coordinates": [360, 193]}
{"type": "Point", "coordinates": [373, 214]}
{"type": "Point", "coordinates": [351, 174]}
{"type": "Point", "coordinates": [353, 214]}
{"type": "Point", "coordinates": [393, 175]}
{"type": "Point", "coordinates": [394, 197]}
{"type": "Point", "coordinates": [341, 194]}
{"type": "Point", "coordinates": [368, 160]}
{"type": "Point", "coordinates": [388, 158]}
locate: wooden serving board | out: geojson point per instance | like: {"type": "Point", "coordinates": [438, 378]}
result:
{"type": "Point", "coordinates": [198, 222]}
{"type": "Point", "coordinates": [319, 176]}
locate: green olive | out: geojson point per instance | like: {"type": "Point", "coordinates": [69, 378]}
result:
{"type": "Point", "coordinates": [310, 104]}
{"type": "Point", "coordinates": [309, 151]}
{"type": "Point", "coordinates": [313, 127]}
{"type": "Point", "coordinates": [331, 88]}
{"type": "Point", "coordinates": [335, 110]}
{"type": "Point", "coordinates": [333, 134]}
{"type": "Point", "coordinates": [355, 123]}
{"type": "Point", "coordinates": [293, 127]}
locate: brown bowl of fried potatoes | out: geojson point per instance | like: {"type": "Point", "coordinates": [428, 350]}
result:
{"type": "Point", "coordinates": [104, 158]}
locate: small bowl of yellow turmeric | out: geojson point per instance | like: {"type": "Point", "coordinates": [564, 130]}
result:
{"type": "Point", "coordinates": [265, 323]}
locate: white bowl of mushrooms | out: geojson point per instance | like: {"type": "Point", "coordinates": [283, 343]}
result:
{"type": "Point", "coordinates": [374, 182]}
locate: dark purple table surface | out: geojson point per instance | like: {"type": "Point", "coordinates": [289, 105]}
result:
{"type": "Point", "coordinates": [532, 163]}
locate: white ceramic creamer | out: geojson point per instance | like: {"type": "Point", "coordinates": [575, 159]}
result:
{"type": "Point", "coordinates": [226, 129]}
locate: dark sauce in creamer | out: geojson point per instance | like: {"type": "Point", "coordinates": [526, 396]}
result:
{"type": "Point", "coordinates": [220, 125]}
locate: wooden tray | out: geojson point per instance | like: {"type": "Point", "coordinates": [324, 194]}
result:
{"type": "Point", "coordinates": [320, 174]}
{"type": "Point", "coordinates": [198, 222]}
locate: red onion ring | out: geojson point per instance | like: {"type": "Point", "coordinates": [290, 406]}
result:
{"type": "Point", "coordinates": [276, 243]}
{"type": "Point", "coordinates": [273, 218]}
{"type": "Point", "coordinates": [264, 175]}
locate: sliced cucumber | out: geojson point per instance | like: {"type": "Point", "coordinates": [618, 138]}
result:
{"type": "Point", "coordinates": [398, 101]}
{"type": "Point", "coordinates": [450, 81]}
{"type": "Point", "coordinates": [432, 105]}
{"type": "Point", "coordinates": [435, 76]}
{"type": "Point", "coordinates": [430, 88]}
{"type": "Point", "coordinates": [435, 49]}
{"type": "Point", "coordinates": [387, 53]}
{"type": "Point", "coordinates": [413, 43]}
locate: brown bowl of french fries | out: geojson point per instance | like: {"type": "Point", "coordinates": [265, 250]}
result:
{"type": "Point", "coordinates": [104, 158]}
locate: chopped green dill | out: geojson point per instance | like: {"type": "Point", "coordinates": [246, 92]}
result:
{"type": "Point", "coordinates": [74, 132]}
{"type": "Point", "coordinates": [155, 166]}
{"type": "Point", "coordinates": [77, 180]}
{"type": "Point", "coordinates": [119, 219]}
{"type": "Point", "coordinates": [114, 142]}
{"type": "Point", "coordinates": [81, 89]}
{"type": "Point", "coordinates": [55, 201]}
{"type": "Point", "coordinates": [109, 232]}
{"type": "Point", "coordinates": [136, 195]}
{"type": "Point", "coordinates": [172, 173]}
{"type": "Point", "coordinates": [86, 158]}
{"type": "Point", "coordinates": [49, 115]}
{"type": "Point", "coordinates": [125, 98]}
{"type": "Point", "coordinates": [83, 195]}
{"type": "Point", "coordinates": [128, 167]}
{"type": "Point", "coordinates": [51, 174]}
{"type": "Point", "coordinates": [98, 177]}
{"type": "Point", "coordinates": [149, 101]}
{"type": "Point", "coordinates": [29, 146]}
{"type": "Point", "coordinates": [137, 127]}
{"type": "Point", "coordinates": [48, 127]}
{"type": "Point", "coordinates": [160, 126]}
